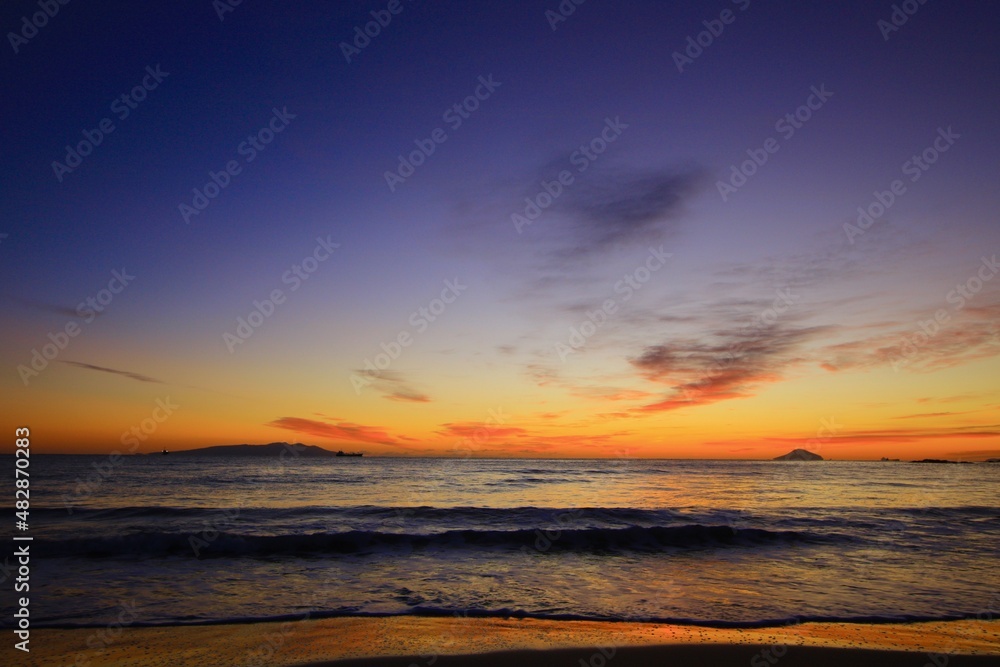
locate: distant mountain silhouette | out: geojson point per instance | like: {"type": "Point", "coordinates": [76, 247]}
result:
{"type": "Point", "coordinates": [273, 449]}
{"type": "Point", "coordinates": [799, 455]}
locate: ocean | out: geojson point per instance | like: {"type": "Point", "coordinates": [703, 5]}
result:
{"type": "Point", "coordinates": [174, 540]}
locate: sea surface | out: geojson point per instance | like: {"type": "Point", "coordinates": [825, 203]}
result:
{"type": "Point", "coordinates": [173, 539]}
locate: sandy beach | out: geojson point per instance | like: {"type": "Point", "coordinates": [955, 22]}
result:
{"type": "Point", "coordinates": [421, 641]}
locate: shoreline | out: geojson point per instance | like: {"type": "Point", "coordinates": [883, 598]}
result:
{"type": "Point", "coordinates": [427, 641]}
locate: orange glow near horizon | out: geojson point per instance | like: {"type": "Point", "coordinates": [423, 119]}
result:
{"type": "Point", "coordinates": [547, 423]}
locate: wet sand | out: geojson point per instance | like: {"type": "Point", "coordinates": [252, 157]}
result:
{"type": "Point", "coordinates": [408, 641]}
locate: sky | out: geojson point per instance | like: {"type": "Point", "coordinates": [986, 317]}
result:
{"type": "Point", "coordinates": [523, 229]}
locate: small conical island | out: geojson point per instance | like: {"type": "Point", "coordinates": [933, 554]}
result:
{"type": "Point", "coordinates": [799, 455]}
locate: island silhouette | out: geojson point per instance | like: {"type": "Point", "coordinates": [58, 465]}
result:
{"type": "Point", "coordinates": [297, 449]}
{"type": "Point", "coordinates": [799, 455]}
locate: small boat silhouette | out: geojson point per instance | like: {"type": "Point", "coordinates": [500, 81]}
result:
{"type": "Point", "coordinates": [341, 452]}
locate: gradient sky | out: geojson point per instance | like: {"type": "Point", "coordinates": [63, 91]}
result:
{"type": "Point", "coordinates": [770, 325]}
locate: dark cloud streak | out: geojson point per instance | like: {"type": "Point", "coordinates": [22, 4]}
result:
{"type": "Point", "coordinates": [611, 210]}
{"type": "Point", "coordinates": [127, 374]}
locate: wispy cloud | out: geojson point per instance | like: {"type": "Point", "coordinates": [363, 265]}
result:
{"type": "Point", "coordinates": [965, 337]}
{"type": "Point", "coordinates": [725, 365]}
{"type": "Point", "coordinates": [957, 398]}
{"type": "Point", "coordinates": [395, 387]}
{"type": "Point", "coordinates": [114, 371]}
{"type": "Point", "coordinates": [408, 396]}
{"type": "Point", "coordinates": [609, 209]}
{"type": "Point", "coordinates": [65, 311]}
{"type": "Point", "coordinates": [472, 429]}
{"type": "Point", "coordinates": [606, 209]}
{"type": "Point", "coordinates": [925, 415]}
{"type": "Point", "coordinates": [339, 431]}
{"type": "Point", "coordinates": [904, 435]}
{"type": "Point", "coordinates": [610, 393]}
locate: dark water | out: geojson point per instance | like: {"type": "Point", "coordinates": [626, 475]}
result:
{"type": "Point", "coordinates": [176, 539]}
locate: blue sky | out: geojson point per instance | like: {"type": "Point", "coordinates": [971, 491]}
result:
{"type": "Point", "coordinates": [653, 366]}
